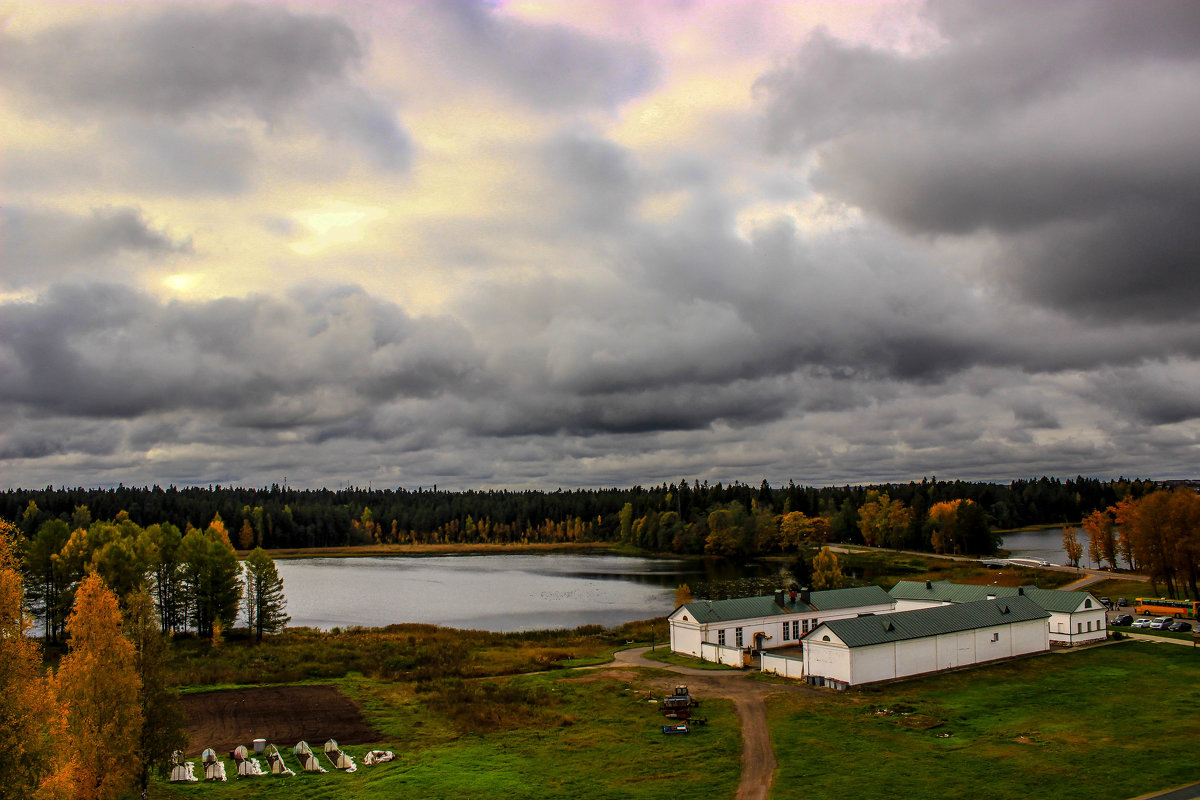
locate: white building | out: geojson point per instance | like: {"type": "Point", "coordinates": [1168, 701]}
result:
{"type": "Point", "coordinates": [768, 621]}
{"type": "Point", "coordinates": [850, 652]}
{"type": "Point", "coordinates": [1075, 617]}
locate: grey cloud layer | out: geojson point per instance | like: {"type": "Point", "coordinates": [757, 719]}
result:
{"type": "Point", "coordinates": [585, 342]}
{"type": "Point", "coordinates": [186, 65]}
{"type": "Point", "coordinates": [1067, 132]}
{"type": "Point", "coordinates": [41, 246]}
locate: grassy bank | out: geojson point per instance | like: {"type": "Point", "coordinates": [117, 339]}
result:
{"type": "Point", "coordinates": [396, 652]}
{"type": "Point", "coordinates": [886, 567]}
{"type": "Point", "coordinates": [1067, 726]}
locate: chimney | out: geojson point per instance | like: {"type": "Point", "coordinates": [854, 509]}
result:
{"type": "Point", "coordinates": [805, 595]}
{"type": "Point", "coordinates": [929, 585]}
{"type": "Point", "coordinates": [1021, 590]}
{"type": "Point", "coordinates": [779, 598]}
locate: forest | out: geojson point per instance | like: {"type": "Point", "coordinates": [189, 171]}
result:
{"type": "Point", "coordinates": [683, 517]}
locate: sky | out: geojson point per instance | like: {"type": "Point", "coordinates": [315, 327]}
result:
{"type": "Point", "coordinates": [579, 244]}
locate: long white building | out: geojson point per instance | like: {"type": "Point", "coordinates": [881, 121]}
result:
{"type": "Point", "coordinates": [854, 651]}
{"type": "Point", "coordinates": [768, 621]}
{"type": "Point", "coordinates": [1075, 617]}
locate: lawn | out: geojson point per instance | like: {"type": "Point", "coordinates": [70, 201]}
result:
{"type": "Point", "coordinates": [665, 655]}
{"type": "Point", "coordinates": [1070, 725]}
{"type": "Point", "coordinates": [886, 567]}
{"type": "Point", "coordinates": [571, 734]}
{"type": "Point", "coordinates": [1115, 587]}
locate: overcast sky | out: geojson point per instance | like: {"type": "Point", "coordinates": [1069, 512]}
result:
{"type": "Point", "coordinates": [560, 244]}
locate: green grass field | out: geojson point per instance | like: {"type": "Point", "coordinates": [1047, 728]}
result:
{"type": "Point", "coordinates": [1064, 725]}
{"type": "Point", "coordinates": [587, 736]}
{"type": "Point", "coordinates": [1071, 725]}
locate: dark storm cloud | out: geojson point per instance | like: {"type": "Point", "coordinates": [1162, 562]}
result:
{"type": "Point", "coordinates": [177, 63]}
{"type": "Point", "coordinates": [1066, 132]}
{"type": "Point", "coordinates": [107, 351]}
{"type": "Point", "coordinates": [42, 245]}
{"type": "Point", "coordinates": [545, 65]}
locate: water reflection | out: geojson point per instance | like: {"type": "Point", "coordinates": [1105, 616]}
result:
{"type": "Point", "coordinates": [494, 592]}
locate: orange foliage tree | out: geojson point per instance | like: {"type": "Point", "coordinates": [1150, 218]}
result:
{"type": "Point", "coordinates": [28, 712]}
{"type": "Point", "coordinates": [98, 685]}
{"type": "Point", "coordinates": [1163, 534]}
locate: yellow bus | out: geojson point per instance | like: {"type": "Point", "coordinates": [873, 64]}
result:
{"type": "Point", "coordinates": [1159, 607]}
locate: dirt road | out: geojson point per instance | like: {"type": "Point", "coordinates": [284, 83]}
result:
{"type": "Point", "coordinates": [758, 757]}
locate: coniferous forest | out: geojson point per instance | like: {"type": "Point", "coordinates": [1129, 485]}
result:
{"type": "Point", "coordinates": [683, 517]}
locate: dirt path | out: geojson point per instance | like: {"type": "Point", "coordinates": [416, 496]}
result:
{"type": "Point", "coordinates": [1088, 580]}
{"type": "Point", "coordinates": [758, 757]}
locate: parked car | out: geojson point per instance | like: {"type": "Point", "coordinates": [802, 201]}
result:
{"type": "Point", "coordinates": [1122, 602]}
{"type": "Point", "coordinates": [1107, 603]}
{"type": "Point", "coordinates": [1159, 623]}
{"type": "Point", "coordinates": [1044, 564]}
{"type": "Point", "coordinates": [1122, 619]}
{"type": "Point", "coordinates": [1142, 622]}
{"type": "Point", "coordinates": [1179, 626]}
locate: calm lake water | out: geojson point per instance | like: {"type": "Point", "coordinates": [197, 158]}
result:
{"type": "Point", "coordinates": [1044, 545]}
{"type": "Point", "coordinates": [493, 593]}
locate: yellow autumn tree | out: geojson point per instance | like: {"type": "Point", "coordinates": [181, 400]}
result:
{"type": "Point", "coordinates": [98, 685]}
{"type": "Point", "coordinates": [827, 572]}
{"type": "Point", "coordinates": [33, 766]}
{"type": "Point", "coordinates": [883, 521]}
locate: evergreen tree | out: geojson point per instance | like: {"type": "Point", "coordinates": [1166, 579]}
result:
{"type": "Point", "coordinates": [265, 601]}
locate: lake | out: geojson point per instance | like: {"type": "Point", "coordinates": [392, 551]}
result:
{"type": "Point", "coordinates": [493, 592]}
{"type": "Point", "coordinates": [1043, 545]}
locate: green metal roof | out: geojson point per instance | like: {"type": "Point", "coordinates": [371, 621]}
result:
{"type": "Point", "coordinates": [853, 597]}
{"type": "Point", "coordinates": [705, 611]}
{"type": "Point", "coordinates": [946, 592]}
{"type": "Point", "coordinates": [740, 608]}
{"type": "Point", "coordinates": [923, 622]}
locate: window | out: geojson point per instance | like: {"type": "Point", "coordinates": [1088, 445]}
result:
{"type": "Point", "coordinates": [995, 637]}
{"type": "Point", "coordinates": [1089, 626]}
{"type": "Point", "coordinates": [787, 629]}
{"type": "Point", "coordinates": [1087, 603]}
{"type": "Point", "coordinates": [721, 636]}
{"type": "Point", "coordinates": [795, 629]}
{"type": "Point", "coordinates": [1079, 627]}
{"type": "Point", "coordinates": [737, 636]}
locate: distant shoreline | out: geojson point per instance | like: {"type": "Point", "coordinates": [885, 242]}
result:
{"type": "Point", "coordinates": [475, 549]}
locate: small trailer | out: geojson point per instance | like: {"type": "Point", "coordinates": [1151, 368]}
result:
{"type": "Point", "coordinates": [678, 727]}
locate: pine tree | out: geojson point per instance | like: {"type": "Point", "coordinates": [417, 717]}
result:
{"type": "Point", "coordinates": [265, 601]}
{"type": "Point", "coordinates": [98, 684]}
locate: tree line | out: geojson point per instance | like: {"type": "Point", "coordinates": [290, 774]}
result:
{"type": "Point", "coordinates": [1157, 534]}
{"type": "Point", "coordinates": [193, 576]}
{"type": "Point", "coordinates": [96, 726]}
{"type": "Point", "coordinates": [283, 517]}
